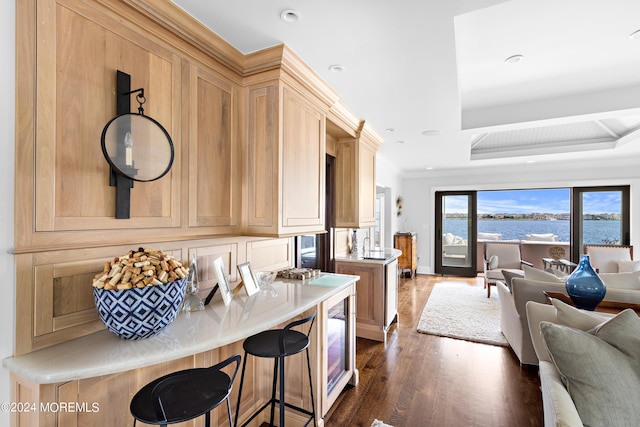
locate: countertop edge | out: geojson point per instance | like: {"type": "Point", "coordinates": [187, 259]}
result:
{"type": "Point", "coordinates": [23, 365]}
{"type": "Point", "coordinates": [393, 255]}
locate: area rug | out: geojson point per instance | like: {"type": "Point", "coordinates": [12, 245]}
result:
{"type": "Point", "coordinates": [463, 312]}
{"type": "Point", "coordinates": [378, 423]}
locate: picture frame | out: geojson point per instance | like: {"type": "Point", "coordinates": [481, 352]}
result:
{"type": "Point", "coordinates": [223, 280]}
{"type": "Point", "coordinates": [248, 279]}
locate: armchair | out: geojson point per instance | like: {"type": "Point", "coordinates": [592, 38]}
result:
{"type": "Point", "coordinates": [500, 256]}
{"type": "Point", "coordinates": [604, 258]}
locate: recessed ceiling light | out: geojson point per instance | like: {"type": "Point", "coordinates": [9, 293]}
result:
{"type": "Point", "coordinates": [290, 16]}
{"type": "Point", "coordinates": [429, 168]}
{"type": "Point", "coordinates": [635, 35]}
{"type": "Point", "coordinates": [399, 142]}
{"type": "Point", "coordinates": [336, 68]}
{"type": "Point", "coordinates": [432, 132]}
{"type": "Point", "coordinates": [514, 59]}
{"type": "Point", "coordinates": [390, 129]}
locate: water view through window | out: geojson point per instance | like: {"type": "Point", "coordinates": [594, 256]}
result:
{"type": "Point", "coordinates": [521, 214]}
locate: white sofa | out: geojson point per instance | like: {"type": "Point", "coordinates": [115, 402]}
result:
{"type": "Point", "coordinates": [513, 316]}
{"type": "Point", "coordinates": [621, 287]}
{"type": "Point", "coordinates": [589, 365]}
{"type": "Point", "coordinates": [454, 249]}
{"type": "Point", "coordinates": [559, 409]}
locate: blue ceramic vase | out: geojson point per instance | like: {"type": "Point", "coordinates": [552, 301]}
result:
{"type": "Point", "coordinates": [585, 288]}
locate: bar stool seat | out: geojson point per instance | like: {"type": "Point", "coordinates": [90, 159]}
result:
{"type": "Point", "coordinates": [267, 343]}
{"type": "Point", "coordinates": [278, 344]}
{"type": "Point", "coordinates": [184, 395]}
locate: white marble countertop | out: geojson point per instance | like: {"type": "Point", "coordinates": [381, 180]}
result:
{"type": "Point", "coordinates": [383, 256]}
{"type": "Point", "coordinates": [103, 353]}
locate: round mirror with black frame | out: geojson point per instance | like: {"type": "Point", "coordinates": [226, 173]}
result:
{"type": "Point", "coordinates": [137, 147]}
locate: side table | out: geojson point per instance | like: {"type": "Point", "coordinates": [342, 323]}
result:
{"type": "Point", "coordinates": [563, 265]}
{"type": "Point", "coordinates": [605, 306]}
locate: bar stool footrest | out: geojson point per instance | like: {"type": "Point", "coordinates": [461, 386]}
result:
{"type": "Point", "coordinates": [288, 405]}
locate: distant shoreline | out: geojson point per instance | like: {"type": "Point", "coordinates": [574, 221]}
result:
{"type": "Point", "coordinates": [536, 219]}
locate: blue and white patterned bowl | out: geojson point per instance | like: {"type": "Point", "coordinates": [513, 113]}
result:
{"type": "Point", "coordinates": [140, 312]}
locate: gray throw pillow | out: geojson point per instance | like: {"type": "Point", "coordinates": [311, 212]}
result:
{"type": "Point", "coordinates": [540, 275]}
{"type": "Point", "coordinates": [600, 368]}
{"type": "Point", "coordinates": [510, 274]}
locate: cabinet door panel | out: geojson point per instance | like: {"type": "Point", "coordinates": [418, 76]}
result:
{"type": "Point", "coordinates": [261, 159]}
{"type": "Point", "coordinates": [214, 178]}
{"type": "Point", "coordinates": [356, 172]}
{"type": "Point", "coordinates": [367, 185]}
{"type": "Point", "coordinates": [74, 101]}
{"type": "Point", "coordinates": [303, 163]}
{"type": "Point", "coordinates": [284, 161]}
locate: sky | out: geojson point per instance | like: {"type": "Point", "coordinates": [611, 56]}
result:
{"type": "Point", "coordinates": [556, 200]}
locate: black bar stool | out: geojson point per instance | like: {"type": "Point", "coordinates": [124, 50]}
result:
{"type": "Point", "coordinates": [278, 344]}
{"type": "Point", "coordinates": [184, 395]}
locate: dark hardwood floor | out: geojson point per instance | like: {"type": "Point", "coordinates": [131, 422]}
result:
{"type": "Point", "coordinates": [424, 380]}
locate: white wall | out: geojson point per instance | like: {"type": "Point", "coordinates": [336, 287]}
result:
{"type": "Point", "coordinates": [388, 177]}
{"type": "Point", "coordinates": [419, 191]}
{"type": "Point", "coordinates": [7, 124]}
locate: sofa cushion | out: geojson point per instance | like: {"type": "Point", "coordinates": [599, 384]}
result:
{"type": "Point", "coordinates": [510, 274]}
{"type": "Point", "coordinates": [540, 275]}
{"type": "Point", "coordinates": [489, 236]}
{"type": "Point", "coordinates": [621, 280]}
{"type": "Point", "coordinates": [572, 317]}
{"type": "Point", "coordinates": [447, 239]}
{"type": "Point", "coordinates": [545, 237]}
{"type": "Point", "coordinates": [493, 262]}
{"type": "Point", "coordinates": [600, 368]}
{"type": "Point", "coordinates": [628, 266]}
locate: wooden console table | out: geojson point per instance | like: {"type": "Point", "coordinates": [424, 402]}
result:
{"type": "Point", "coordinates": [406, 242]}
{"type": "Point", "coordinates": [605, 306]}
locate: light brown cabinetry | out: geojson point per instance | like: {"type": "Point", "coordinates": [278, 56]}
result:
{"type": "Point", "coordinates": [226, 112]}
{"type": "Point", "coordinates": [213, 150]}
{"type": "Point", "coordinates": [65, 94]}
{"type": "Point", "coordinates": [407, 243]}
{"type": "Point", "coordinates": [376, 298]}
{"type": "Point", "coordinates": [284, 171]}
{"type": "Point", "coordinates": [356, 175]}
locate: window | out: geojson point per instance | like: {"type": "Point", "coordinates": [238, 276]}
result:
{"type": "Point", "coordinates": [600, 216]}
{"type": "Point", "coordinates": [525, 214]}
{"type": "Point", "coordinates": [573, 216]}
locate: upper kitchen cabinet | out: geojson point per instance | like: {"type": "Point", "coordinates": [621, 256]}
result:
{"type": "Point", "coordinates": [74, 90]}
{"type": "Point", "coordinates": [214, 151]}
{"type": "Point", "coordinates": [66, 93]}
{"type": "Point", "coordinates": [284, 153]}
{"type": "Point", "coordinates": [356, 175]}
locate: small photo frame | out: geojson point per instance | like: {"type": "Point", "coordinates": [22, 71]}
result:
{"type": "Point", "coordinates": [223, 280]}
{"type": "Point", "coordinates": [248, 279]}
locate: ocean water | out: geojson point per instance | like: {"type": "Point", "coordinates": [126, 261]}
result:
{"type": "Point", "coordinates": [594, 231]}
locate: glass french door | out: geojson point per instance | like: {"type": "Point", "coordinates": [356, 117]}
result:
{"type": "Point", "coordinates": [600, 215]}
{"type": "Point", "coordinates": [456, 224]}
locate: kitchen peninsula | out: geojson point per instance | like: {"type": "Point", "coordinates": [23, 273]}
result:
{"type": "Point", "coordinates": [377, 289]}
{"type": "Point", "coordinates": [194, 339]}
